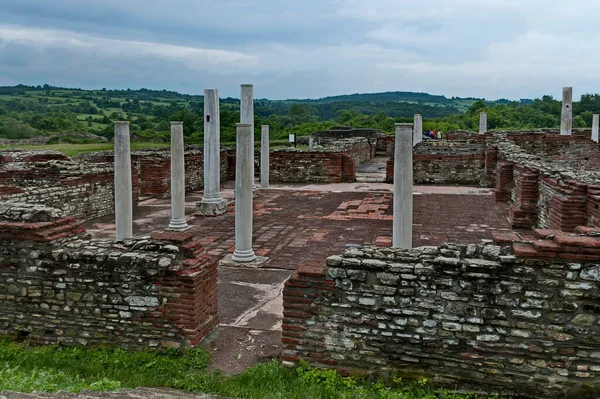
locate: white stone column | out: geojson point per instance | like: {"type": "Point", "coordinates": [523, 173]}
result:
{"type": "Point", "coordinates": [482, 123]}
{"type": "Point", "coordinates": [243, 194]}
{"type": "Point", "coordinates": [264, 156]}
{"type": "Point", "coordinates": [566, 116]}
{"type": "Point", "coordinates": [595, 127]}
{"type": "Point", "coordinates": [247, 115]}
{"type": "Point", "coordinates": [123, 186]}
{"type": "Point", "coordinates": [403, 185]}
{"type": "Point", "coordinates": [418, 129]}
{"type": "Point", "coordinates": [177, 178]}
{"type": "Point", "coordinates": [212, 202]}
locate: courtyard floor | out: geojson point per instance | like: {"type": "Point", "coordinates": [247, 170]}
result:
{"type": "Point", "coordinates": [299, 224]}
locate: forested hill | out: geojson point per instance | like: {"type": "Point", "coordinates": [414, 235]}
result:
{"type": "Point", "coordinates": [389, 96]}
{"type": "Point", "coordinates": [27, 111]}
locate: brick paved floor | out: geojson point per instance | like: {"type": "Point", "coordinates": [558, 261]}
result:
{"type": "Point", "coordinates": [295, 227]}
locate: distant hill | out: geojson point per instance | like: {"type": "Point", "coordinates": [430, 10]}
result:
{"type": "Point", "coordinates": [28, 111]}
{"type": "Point", "coordinates": [389, 96]}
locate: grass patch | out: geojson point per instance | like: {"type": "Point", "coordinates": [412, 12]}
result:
{"type": "Point", "coordinates": [76, 149]}
{"type": "Point", "coordinates": [50, 369]}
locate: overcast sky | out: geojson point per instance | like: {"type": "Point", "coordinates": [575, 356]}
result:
{"type": "Point", "coordinates": [305, 48]}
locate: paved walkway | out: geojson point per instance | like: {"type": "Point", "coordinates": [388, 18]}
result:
{"type": "Point", "coordinates": [372, 171]}
{"type": "Point", "coordinates": [296, 226]}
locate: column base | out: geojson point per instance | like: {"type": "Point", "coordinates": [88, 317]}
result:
{"type": "Point", "coordinates": [229, 261]}
{"type": "Point", "coordinates": [179, 225]}
{"type": "Point", "coordinates": [212, 208]}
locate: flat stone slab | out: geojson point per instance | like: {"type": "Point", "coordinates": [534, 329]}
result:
{"type": "Point", "coordinates": [256, 263]}
{"type": "Point", "coordinates": [251, 298]}
{"type": "Point", "coordinates": [211, 208]}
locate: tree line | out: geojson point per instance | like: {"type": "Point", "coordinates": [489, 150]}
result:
{"type": "Point", "coordinates": [26, 111]}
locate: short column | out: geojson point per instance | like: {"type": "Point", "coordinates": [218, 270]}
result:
{"type": "Point", "coordinates": [403, 185]}
{"type": "Point", "coordinates": [247, 115]}
{"type": "Point", "coordinates": [264, 156]}
{"type": "Point", "coordinates": [212, 203]}
{"type": "Point", "coordinates": [177, 178]}
{"type": "Point", "coordinates": [123, 187]}
{"type": "Point", "coordinates": [595, 127]}
{"type": "Point", "coordinates": [243, 194]}
{"type": "Point", "coordinates": [566, 115]}
{"type": "Point", "coordinates": [482, 123]}
{"type": "Point", "coordinates": [418, 129]}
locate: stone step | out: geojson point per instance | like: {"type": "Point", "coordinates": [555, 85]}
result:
{"type": "Point", "coordinates": [138, 393]}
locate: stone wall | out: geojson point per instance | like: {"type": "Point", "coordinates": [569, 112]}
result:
{"type": "Point", "coordinates": [332, 136]}
{"type": "Point", "coordinates": [288, 166]}
{"type": "Point", "coordinates": [446, 162]}
{"type": "Point", "coordinates": [576, 150]}
{"type": "Point", "coordinates": [154, 167]}
{"type": "Point", "coordinates": [59, 287]}
{"type": "Point", "coordinates": [476, 315]}
{"type": "Point", "coordinates": [334, 164]}
{"type": "Point", "coordinates": [47, 178]}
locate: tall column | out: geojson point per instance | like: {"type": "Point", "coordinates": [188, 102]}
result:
{"type": "Point", "coordinates": [418, 129]}
{"type": "Point", "coordinates": [177, 178]}
{"type": "Point", "coordinates": [264, 156]}
{"type": "Point", "coordinates": [243, 194]}
{"type": "Point", "coordinates": [123, 187]}
{"type": "Point", "coordinates": [595, 127]}
{"type": "Point", "coordinates": [482, 123]}
{"type": "Point", "coordinates": [566, 116]}
{"type": "Point", "coordinates": [247, 115]}
{"type": "Point", "coordinates": [403, 185]}
{"type": "Point", "coordinates": [212, 203]}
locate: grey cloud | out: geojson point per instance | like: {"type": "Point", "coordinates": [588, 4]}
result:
{"type": "Point", "coordinates": [310, 48]}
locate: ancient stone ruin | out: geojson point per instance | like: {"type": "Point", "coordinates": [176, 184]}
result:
{"type": "Point", "coordinates": [480, 265]}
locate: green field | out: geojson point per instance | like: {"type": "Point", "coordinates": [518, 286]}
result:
{"type": "Point", "coordinates": [76, 149]}
{"type": "Point", "coordinates": [51, 369]}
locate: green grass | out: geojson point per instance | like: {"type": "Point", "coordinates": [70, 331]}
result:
{"type": "Point", "coordinates": [76, 149]}
{"type": "Point", "coordinates": [50, 369]}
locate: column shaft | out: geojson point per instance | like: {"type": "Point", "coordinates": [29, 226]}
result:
{"type": "Point", "coordinates": [482, 123]}
{"type": "Point", "coordinates": [247, 115]}
{"type": "Point", "coordinates": [243, 194]}
{"type": "Point", "coordinates": [566, 116]}
{"type": "Point", "coordinates": [595, 127]}
{"type": "Point", "coordinates": [418, 129]}
{"type": "Point", "coordinates": [403, 184]}
{"type": "Point", "coordinates": [264, 156]}
{"type": "Point", "coordinates": [177, 178]}
{"type": "Point", "coordinates": [123, 186]}
{"type": "Point", "coordinates": [212, 157]}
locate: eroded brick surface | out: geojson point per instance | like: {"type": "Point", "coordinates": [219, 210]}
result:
{"type": "Point", "coordinates": [295, 228]}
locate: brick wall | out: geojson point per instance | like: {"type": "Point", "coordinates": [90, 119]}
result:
{"type": "Point", "coordinates": [593, 205]}
{"type": "Point", "coordinates": [329, 165]}
{"type": "Point", "coordinates": [386, 144]}
{"type": "Point", "coordinates": [446, 162]}
{"type": "Point", "coordinates": [155, 169]}
{"type": "Point", "coordinates": [577, 150]}
{"type": "Point", "coordinates": [545, 202]}
{"type": "Point", "coordinates": [83, 190]}
{"type": "Point", "coordinates": [525, 194]}
{"type": "Point", "coordinates": [57, 287]}
{"type": "Point", "coordinates": [305, 167]}
{"type": "Point", "coordinates": [83, 187]}
{"type": "Point", "coordinates": [458, 314]}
